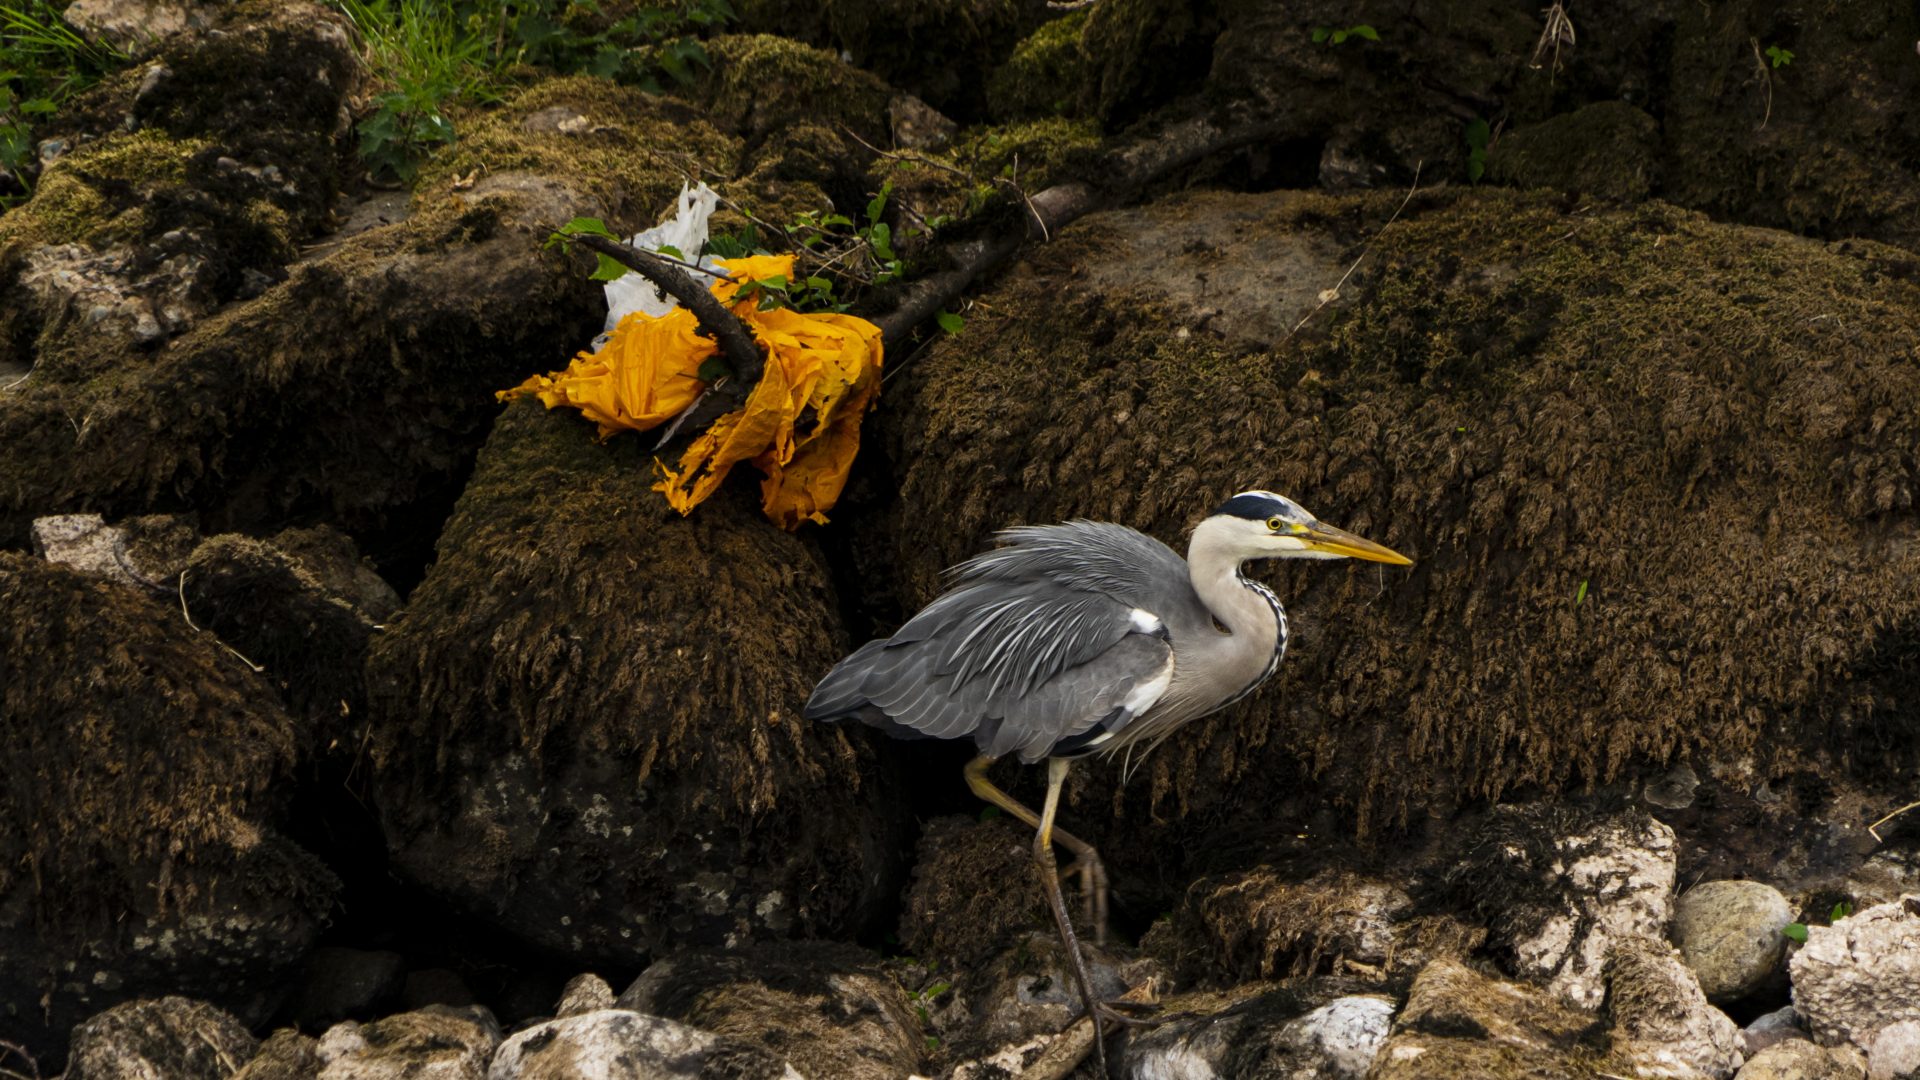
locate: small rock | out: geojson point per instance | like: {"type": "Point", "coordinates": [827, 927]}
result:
{"type": "Point", "coordinates": [343, 983]}
{"type": "Point", "coordinates": [286, 1055]}
{"type": "Point", "coordinates": [1895, 1053]}
{"type": "Point", "coordinates": [1797, 1059]}
{"type": "Point", "coordinates": [1674, 790]}
{"type": "Point", "coordinates": [563, 119]}
{"type": "Point", "coordinates": [169, 1038]}
{"type": "Point", "coordinates": [1729, 932]}
{"type": "Point", "coordinates": [1860, 975]}
{"type": "Point", "coordinates": [917, 125]}
{"type": "Point", "coordinates": [1770, 1029]}
{"type": "Point", "coordinates": [1661, 1019]}
{"type": "Point", "coordinates": [585, 993]}
{"type": "Point", "coordinates": [147, 551]}
{"type": "Point", "coordinates": [618, 1044]}
{"type": "Point", "coordinates": [435, 1043]}
{"type": "Point", "coordinates": [133, 26]}
{"type": "Point", "coordinates": [1342, 1037]}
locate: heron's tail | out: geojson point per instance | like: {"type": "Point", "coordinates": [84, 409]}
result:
{"type": "Point", "coordinates": [839, 695]}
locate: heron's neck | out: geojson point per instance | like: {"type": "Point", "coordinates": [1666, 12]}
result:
{"type": "Point", "coordinates": [1214, 565]}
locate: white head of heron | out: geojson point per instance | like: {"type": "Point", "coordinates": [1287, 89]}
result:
{"type": "Point", "coordinates": [1263, 525]}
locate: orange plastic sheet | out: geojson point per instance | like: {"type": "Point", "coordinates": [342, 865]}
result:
{"type": "Point", "coordinates": [800, 426]}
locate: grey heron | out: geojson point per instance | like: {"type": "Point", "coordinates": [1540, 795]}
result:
{"type": "Point", "coordinates": [1085, 638]}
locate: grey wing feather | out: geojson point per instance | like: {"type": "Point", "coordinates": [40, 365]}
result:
{"type": "Point", "coordinates": [1035, 645]}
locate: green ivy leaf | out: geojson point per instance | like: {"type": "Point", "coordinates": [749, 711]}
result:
{"type": "Point", "coordinates": [587, 226]}
{"type": "Point", "coordinates": [1321, 34]}
{"type": "Point", "coordinates": [1364, 31]}
{"type": "Point", "coordinates": [949, 322]}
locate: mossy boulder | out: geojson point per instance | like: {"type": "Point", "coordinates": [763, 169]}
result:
{"type": "Point", "coordinates": [935, 49]}
{"type": "Point", "coordinates": [1608, 439]}
{"type": "Point", "coordinates": [1046, 74]}
{"type": "Point", "coordinates": [1609, 149]}
{"type": "Point", "coordinates": [587, 719]}
{"type": "Point", "coordinates": [169, 1038]}
{"type": "Point", "coordinates": [358, 390]}
{"type": "Point", "coordinates": [1141, 53]}
{"type": "Point", "coordinates": [1459, 1022]}
{"type": "Point", "coordinates": [143, 770]}
{"type": "Point", "coordinates": [828, 1009]}
{"type": "Point", "coordinates": [181, 185]}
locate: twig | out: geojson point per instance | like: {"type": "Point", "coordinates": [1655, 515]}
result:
{"type": "Point", "coordinates": [191, 625]}
{"type": "Point", "coordinates": [1558, 31]}
{"type": "Point", "coordinates": [1875, 827]}
{"type": "Point", "coordinates": [19, 1051]}
{"type": "Point", "coordinates": [1046, 235]}
{"type": "Point", "coordinates": [1068, 1049]}
{"type": "Point", "coordinates": [908, 155]}
{"type": "Point", "coordinates": [1328, 296]}
{"type": "Point", "coordinates": [1760, 62]}
{"type": "Point", "coordinates": [742, 354]}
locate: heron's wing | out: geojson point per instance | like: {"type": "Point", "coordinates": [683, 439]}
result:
{"type": "Point", "coordinates": [1018, 665]}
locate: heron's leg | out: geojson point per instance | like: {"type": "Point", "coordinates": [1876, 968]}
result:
{"type": "Point", "coordinates": [1086, 861]}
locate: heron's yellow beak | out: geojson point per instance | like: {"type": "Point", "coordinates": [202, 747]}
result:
{"type": "Point", "coordinates": [1320, 536]}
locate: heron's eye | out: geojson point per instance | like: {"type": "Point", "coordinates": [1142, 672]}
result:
{"type": "Point", "coordinates": [1276, 524]}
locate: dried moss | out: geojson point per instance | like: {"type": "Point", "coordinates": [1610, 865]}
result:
{"type": "Point", "coordinates": [1705, 424]}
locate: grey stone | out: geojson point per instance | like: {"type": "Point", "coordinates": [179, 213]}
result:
{"type": "Point", "coordinates": [1301, 1032]}
{"type": "Point", "coordinates": [618, 1044]}
{"type": "Point", "coordinates": [434, 1043]}
{"type": "Point", "coordinates": [1342, 1037]}
{"type": "Point", "coordinates": [1729, 931]}
{"type": "Point", "coordinates": [1775, 1027]}
{"type": "Point", "coordinates": [1859, 975]}
{"type": "Point", "coordinates": [917, 125]}
{"type": "Point", "coordinates": [1798, 1059]}
{"type": "Point", "coordinates": [134, 26]}
{"type": "Point", "coordinates": [1895, 1053]}
{"type": "Point", "coordinates": [584, 993]}
{"type": "Point", "coordinates": [169, 1038]}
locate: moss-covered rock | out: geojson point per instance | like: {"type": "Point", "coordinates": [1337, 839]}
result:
{"type": "Point", "coordinates": [973, 891]}
{"type": "Point", "coordinates": [1046, 74]}
{"type": "Point", "coordinates": [1459, 1022]}
{"type": "Point", "coordinates": [829, 1010]}
{"type": "Point", "coordinates": [587, 718]}
{"type": "Point", "coordinates": [165, 1038]}
{"type": "Point", "coordinates": [358, 390]}
{"type": "Point", "coordinates": [184, 184]}
{"type": "Point", "coordinates": [935, 49]}
{"type": "Point", "coordinates": [142, 769]}
{"type": "Point", "coordinates": [1609, 149]}
{"type": "Point", "coordinates": [1604, 437]}
{"type": "Point", "coordinates": [1140, 53]}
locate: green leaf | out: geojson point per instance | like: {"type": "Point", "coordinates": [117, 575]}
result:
{"type": "Point", "coordinates": [1364, 31]}
{"type": "Point", "coordinates": [713, 369]}
{"type": "Point", "coordinates": [1780, 57]}
{"type": "Point", "coordinates": [606, 268]}
{"type": "Point", "coordinates": [1580, 595]}
{"type": "Point", "coordinates": [1477, 135]}
{"type": "Point", "coordinates": [37, 105]}
{"type": "Point", "coordinates": [988, 813]}
{"type": "Point", "coordinates": [878, 205]}
{"type": "Point", "coordinates": [949, 322]}
{"type": "Point", "coordinates": [831, 220]}
{"type": "Point", "coordinates": [1796, 931]}
{"type": "Point", "coordinates": [671, 252]}
{"type": "Point", "coordinates": [1840, 911]}
{"type": "Point", "coordinates": [1320, 34]}
{"type": "Point", "coordinates": [586, 226]}
{"type": "Point", "coordinates": [1340, 37]}
{"type": "Point", "coordinates": [881, 237]}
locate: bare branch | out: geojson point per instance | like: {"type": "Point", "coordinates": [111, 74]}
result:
{"type": "Point", "coordinates": [736, 343]}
